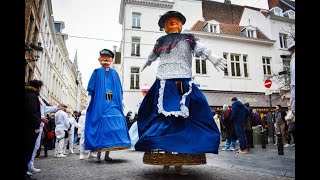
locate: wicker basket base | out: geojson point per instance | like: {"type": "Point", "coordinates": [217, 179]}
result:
{"type": "Point", "coordinates": [169, 159]}
{"type": "Point", "coordinates": [111, 149]}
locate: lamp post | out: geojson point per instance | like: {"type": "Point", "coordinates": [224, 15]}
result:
{"type": "Point", "coordinates": [37, 49]}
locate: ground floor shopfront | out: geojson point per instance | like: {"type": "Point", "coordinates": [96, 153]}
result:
{"type": "Point", "coordinates": [258, 101]}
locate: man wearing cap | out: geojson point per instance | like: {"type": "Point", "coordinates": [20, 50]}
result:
{"type": "Point", "coordinates": [292, 49]}
{"type": "Point", "coordinates": [174, 115]}
{"type": "Point", "coordinates": [105, 121]}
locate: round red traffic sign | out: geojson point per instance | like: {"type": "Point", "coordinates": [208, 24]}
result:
{"type": "Point", "coordinates": [267, 83]}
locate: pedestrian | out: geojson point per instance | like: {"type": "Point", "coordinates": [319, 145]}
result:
{"type": "Point", "coordinates": [44, 109]}
{"type": "Point", "coordinates": [61, 130]}
{"type": "Point", "coordinates": [291, 133]}
{"type": "Point", "coordinates": [292, 49]}
{"type": "Point", "coordinates": [248, 126]}
{"type": "Point", "coordinates": [73, 124]}
{"type": "Point", "coordinates": [231, 136]}
{"type": "Point", "coordinates": [280, 123]}
{"type": "Point", "coordinates": [32, 120]}
{"type": "Point", "coordinates": [239, 114]}
{"type": "Point", "coordinates": [105, 124]}
{"type": "Point", "coordinates": [174, 116]}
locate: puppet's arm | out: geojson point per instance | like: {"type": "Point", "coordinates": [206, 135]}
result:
{"type": "Point", "coordinates": [218, 62]}
{"type": "Point", "coordinates": [152, 57]}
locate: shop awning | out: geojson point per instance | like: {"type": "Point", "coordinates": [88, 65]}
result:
{"type": "Point", "coordinates": [218, 98]}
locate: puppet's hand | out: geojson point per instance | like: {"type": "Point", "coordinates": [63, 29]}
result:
{"type": "Point", "coordinates": [146, 64]}
{"type": "Point", "coordinates": [218, 62]}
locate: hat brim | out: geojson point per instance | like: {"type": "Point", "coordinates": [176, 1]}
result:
{"type": "Point", "coordinates": [163, 18]}
{"type": "Point", "coordinates": [106, 52]}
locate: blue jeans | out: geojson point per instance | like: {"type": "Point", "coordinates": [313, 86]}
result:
{"type": "Point", "coordinates": [239, 128]}
{"type": "Point", "coordinates": [231, 143]}
{"type": "Point", "coordinates": [75, 141]}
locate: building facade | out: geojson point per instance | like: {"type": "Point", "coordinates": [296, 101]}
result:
{"type": "Point", "coordinates": [61, 77]}
{"type": "Point", "coordinates": [247, 37]}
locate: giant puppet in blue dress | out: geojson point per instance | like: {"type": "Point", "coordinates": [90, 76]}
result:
{"type": "Point", "coordinates": [174, 115]}
{"type": "Point", "coordinates": [105, 123]}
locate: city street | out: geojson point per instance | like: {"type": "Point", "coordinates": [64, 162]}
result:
{"type": "Point", "coordinates": [127, 164]}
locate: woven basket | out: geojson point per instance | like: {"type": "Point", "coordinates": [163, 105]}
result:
{"type": "Point", "coordinates": [168, 159]}
{"type": "Point", "coordinates": [111, 149]}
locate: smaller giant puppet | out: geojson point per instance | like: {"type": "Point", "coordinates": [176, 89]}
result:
{"type": "Point", "coordinates": [105, 123]}
{"type": "Point", "coordinates": [174, 116]}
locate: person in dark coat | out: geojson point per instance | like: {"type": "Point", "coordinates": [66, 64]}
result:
{"type": "Point", "coordinates": [248, 126]}
{"type": "Point", "coordinates": [32, 119]}
{"type": "Point", "coordinates": [228, 124]}
{"type": "Point", "coordinates": [239, 113]}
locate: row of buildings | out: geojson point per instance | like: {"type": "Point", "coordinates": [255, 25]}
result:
{"type": "Point", "coordinates": [253, 40]}
{"type": "Point", "coordinates": [47, 57]}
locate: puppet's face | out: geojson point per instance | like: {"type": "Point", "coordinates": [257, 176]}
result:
{"type": "Point", "coordinates": [105, 60]}
{"type": "Point", "coordinates": [173, 25]}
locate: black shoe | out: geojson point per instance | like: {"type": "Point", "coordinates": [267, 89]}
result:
{"type": "Point", "coordinates": [107, 159]}
{"type": "Point", "coordinates": [27, 176]}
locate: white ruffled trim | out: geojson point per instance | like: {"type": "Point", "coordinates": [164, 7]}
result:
{"type": "Point", "coordinates": [184, 111]}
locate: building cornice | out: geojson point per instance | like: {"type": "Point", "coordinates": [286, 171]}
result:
{"type": "Point", "coordinates": [281, 18]}
{"type": "Point", "coordinates": [153, 3]}
{"type": "Point", "coordinates": [231, 37]}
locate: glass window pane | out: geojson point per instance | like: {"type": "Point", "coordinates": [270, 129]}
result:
{"type": "Point", "coordinates": [204, 67]}
{"type": "Point", "coordinates": [232, 69]}
{"type": "Point", "coordinates": [238, 69]}
{"type": "Point", "coordinates": [198, 66]}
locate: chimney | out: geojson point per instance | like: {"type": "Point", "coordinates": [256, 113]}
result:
{"type": "Point", "coordinates": [273, 3]}
{"type": "Point", "coordinates": [227, 2]}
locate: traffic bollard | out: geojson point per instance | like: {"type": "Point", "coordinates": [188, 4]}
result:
{"type": "Point", "coordinates": [280, 144]}
{"type": "Point", "coordinates": [263, 139]}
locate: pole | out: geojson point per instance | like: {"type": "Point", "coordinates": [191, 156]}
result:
{"type": "Point", "coordinates": [270, 111]}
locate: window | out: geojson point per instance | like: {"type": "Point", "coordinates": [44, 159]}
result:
{"type": "Point", "coordinates": [290, 14]}
{"type": "Point", "coordinates": [201, 66]}
{"type": "Point", "coordinates": [250, 33]}
{"type": "Point", "coordinates": [225, 69]}
{"type": "Point", "coordinates": [286, 64]}
{"type": "Point", "coordinates": [134, 78]}
{"type": "Point", "coordinates": [266, 65]}
{"type": "Point", "coordinates": [238, 65]}
{"type": "Point", "coordinates": [245, 66]}
{"type": "Point", "coordinates": [276, 11]}
{"type": "Point", "coordinates": [136, 20]}
{"type": "Point", "coordinates": [235, 65]}
{"type": "Point", "coordinates": [135, 46]}
{"type": "Point", "coordinates": [283, 40]}
{"type": "Point", "coordinates": [214, 28]}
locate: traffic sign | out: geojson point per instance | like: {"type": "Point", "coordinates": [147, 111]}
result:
{"type": "Point", "coordinates": [267, 83]}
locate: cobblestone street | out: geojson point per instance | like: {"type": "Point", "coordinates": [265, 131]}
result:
{"type": "Point", "coordinates": [127, 164]}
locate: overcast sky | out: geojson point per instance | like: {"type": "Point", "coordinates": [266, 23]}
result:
{"type": "Point", "coordinates": [86, 21]}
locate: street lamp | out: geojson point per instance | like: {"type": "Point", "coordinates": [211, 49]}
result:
{"type": "Point", "coordinates": [37, 49]}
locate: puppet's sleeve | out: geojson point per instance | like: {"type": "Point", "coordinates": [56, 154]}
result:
{"type": "Point", "coordinates": [152, 57]}
{"type": "Point", "coordinates": [92, 83]}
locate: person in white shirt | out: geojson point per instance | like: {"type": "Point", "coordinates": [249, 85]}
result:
{"type": "Point", "coordinates": [70, 137]}
{"type": "Point", "coordinates": [62, 126]}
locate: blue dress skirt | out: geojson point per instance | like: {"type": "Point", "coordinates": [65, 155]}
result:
{"type": "Point", "coordinates": [176, 121]}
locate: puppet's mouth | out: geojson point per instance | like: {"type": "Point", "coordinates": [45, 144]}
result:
{"type": "Point", "coordinates": [106, 62]}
